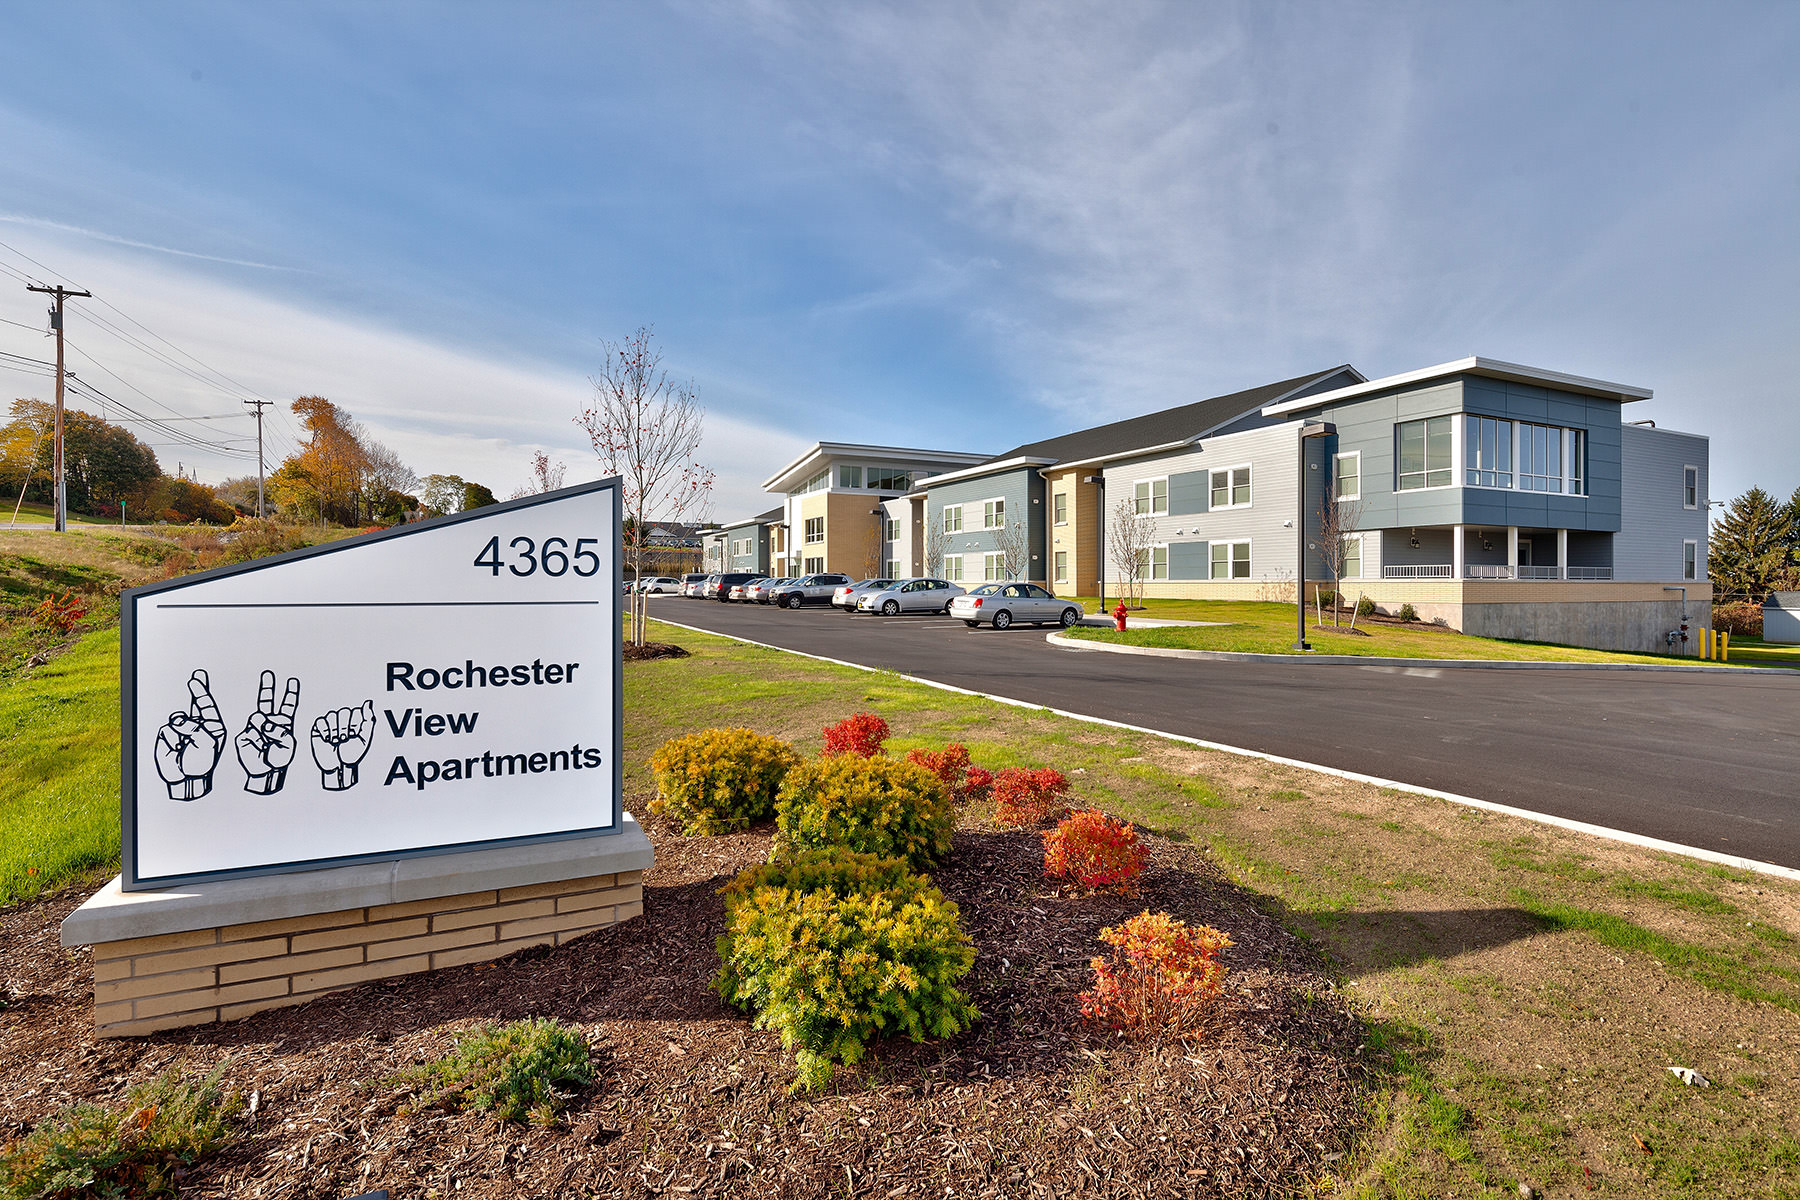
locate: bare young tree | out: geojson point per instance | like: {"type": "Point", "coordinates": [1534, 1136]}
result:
{"type": "Point", "coordinates": [546, 476]}
{"type": "Point", "coordinates": [1128, 543]}
{"type": "Point", "coordinates": [934, 550]}
{"type": "Point", "coordinates": [1336, 520]}
{"type": "Point", "coordinates": [1014, 544]}
{"type": "Point", "coordinates": [646, 429]}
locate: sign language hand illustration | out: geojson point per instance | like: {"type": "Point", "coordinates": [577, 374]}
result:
{"type": "Point", "coordinates": [339, 741]}
{"type": "Point", "coordinates": [189, 743]}
{"type": "Point", "coordinates": [266, 746]}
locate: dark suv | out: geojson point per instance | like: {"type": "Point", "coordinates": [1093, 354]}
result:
{"type": "Point", "coordinates": [814, 589]}
{"type": "Point", "coordinates": [724, 583]}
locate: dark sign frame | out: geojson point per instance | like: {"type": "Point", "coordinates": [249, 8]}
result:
{"type": "Point", "coordinates": [132, 881]}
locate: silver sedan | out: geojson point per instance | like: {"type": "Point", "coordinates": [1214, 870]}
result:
{"type": "Point", "coordinates": [1003, 604]}
{"type": "Point", "coordinates": [910, 595]}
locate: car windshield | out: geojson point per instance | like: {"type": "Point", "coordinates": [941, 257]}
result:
{"type": "Point", "coordinates": [987, 589]}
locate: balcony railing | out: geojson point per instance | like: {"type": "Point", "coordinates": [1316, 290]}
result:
{"type": "Point", "coordinates": [1493, 571]}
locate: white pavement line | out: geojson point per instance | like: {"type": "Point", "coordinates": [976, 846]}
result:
{"type": "Point", "coordinates": [1599, 831]}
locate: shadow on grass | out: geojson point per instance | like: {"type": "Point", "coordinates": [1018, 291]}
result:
{"type": "Point", "coordinates": [1378, 939]}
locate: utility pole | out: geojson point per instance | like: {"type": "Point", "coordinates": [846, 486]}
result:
{"type": "Point", "coordinates": [56, 322]}
{"type": "Point", "coordinates": [259, 405]}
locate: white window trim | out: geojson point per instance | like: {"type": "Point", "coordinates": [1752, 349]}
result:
{"type": "Point", "coordinates": [1064, 519]}
{"type": "Point", "coordinates": [1062, 569]}
{"type": "Point", "coordinates": [1698, 565]}
{"type": "Point", "coordinates": [1244, 466]}
{"type": "Point", "coordinates": [1151, 482]}
{"type": "Point", "coordinates": [1361, 549]}
{"type": "Point", "coordinates": [1229, 558]}
{"type": "Point", "coordinates": [993, 560]}
{"type": "Point", "coordinates": [806, 534]}
{"type": "Point", "coordinates": [1456, 445]}
{"type": "Point", "coordinates": [1151, 576]}
{"type": "Point", "coordinates": [1518, 476]}
{"type": "Point", "coordinates": [1000, 500]}
{"type": "Point", "coordinates": [955, 576]}
{"type": "Point", "coordinates": [1685, 468]}
{"type": "Point", "coordinates": [944, 520]}
{"type": "Point", "coordinates": [1356, 454]}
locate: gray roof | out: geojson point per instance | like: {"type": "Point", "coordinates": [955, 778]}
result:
{"type": "Point", "coordinates": [1161, 428]}
{"type": "Point", "coordinates": [774, 514]}
{"type": "Point", "coordinates": [1786, 601]}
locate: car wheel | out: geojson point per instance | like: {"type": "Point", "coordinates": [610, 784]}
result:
{"type": "Point", "coordinates": [793, 602]}
{"type": "Point", "coordinates": [890, 608]}
{"type": "Point", "coordinates": [972, 624]}
{"type": "Point", "coordinates": [1002, 619]}
{"type": "Point", "coordinates": [1069, 617]}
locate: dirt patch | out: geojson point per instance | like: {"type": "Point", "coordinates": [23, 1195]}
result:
{"type": "Point", "coordinates": [649, 650]}
{"type": "Point", "coordinates": [689, 1100]}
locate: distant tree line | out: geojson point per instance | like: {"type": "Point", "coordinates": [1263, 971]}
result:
{"type": "Point", "coordinates": [1755, 547]}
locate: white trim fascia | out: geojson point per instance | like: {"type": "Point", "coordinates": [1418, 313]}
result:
{"type": "Point", "coordinates": [830, 449]}
{"type": "Point", "coordinates": [976, 472]}
{"type": "Point", "coordinates": [1491, 368]}
{"type": "Point", "coordinates": [1336, 454]}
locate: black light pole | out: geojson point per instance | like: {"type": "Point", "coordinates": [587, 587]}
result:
{"type": "Point", "coordinates": [1099, 482]}
{"type": "Point", "coordinates": [1311, 429]}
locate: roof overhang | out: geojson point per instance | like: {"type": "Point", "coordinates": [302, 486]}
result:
{"type": "Point", "coordinates": [1490, 368]}
{"type": "Point", "coordinates": [985, 468]}
{"type": "Point", "coordinates": [823, 451]}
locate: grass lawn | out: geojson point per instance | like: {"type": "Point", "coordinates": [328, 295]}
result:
{"type": "Point", "coordinates": [33, 513]}
{"type": "Point", "coordinates": [1525, 988]}
{"type": "Point", "coordinates": [1755, 650]}
{"type": "Point", "coordinates": [1256, 627]}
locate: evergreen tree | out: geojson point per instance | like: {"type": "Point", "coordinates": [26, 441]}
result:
{"type": "Point", "coordinates": [1749, 553]}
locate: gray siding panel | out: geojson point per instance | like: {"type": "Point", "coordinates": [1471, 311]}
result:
{"type": "Point", "coordinates": [1023, 491]}
{"type": "Point", "coordinates": [1189, 492]}
{"type": "Point", "coordinates": [1189, 560]}
{"type": "Point", "coordinates": [1648, 547]}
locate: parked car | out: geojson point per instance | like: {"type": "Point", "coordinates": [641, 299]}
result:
{"type": "Point", "coordinates": [741, 591]}
{"type": "Point", "coordinates": [1004, 604]}
{"type": "Point", "coordinates": [910, 595]}
{"type": "Point", "coordinates": [710, 589]}
{"type": "Point", "coordinates": [846, 596]}
{"type": "Point", "coordinates": [758, 591]}
{"type": "Point", "coordinates": [812, 589]}
{"type": "Point", "coordinates": [722, 590]}
{"type": "Point", "coordinates": [693, 586]}
{"type": "Point", "coordinates": [659, 585]}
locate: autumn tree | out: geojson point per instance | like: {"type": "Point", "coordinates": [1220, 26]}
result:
{"type": "Point", "coordinates": [546, 476]}
{"type": "Point", "coordinates": [646, 428]}
{"type": "Point", "coordinates": [103, 463]}
{"type": "Point", "coordinates": [333, 462]}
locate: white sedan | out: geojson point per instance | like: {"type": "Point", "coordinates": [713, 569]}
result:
{"type": "Point", "coordinates": [910, 595]}
{"type": "Point", "coordinates": [1002, 604]}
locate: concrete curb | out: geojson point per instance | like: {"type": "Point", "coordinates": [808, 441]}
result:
{"type": "Point", "coordinates": [1352, 660]}
{"type": "Point", "coordinates": [1604, 832]}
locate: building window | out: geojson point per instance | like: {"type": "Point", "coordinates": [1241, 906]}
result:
{"type": "Point", "coordinates": [953, 518]}
{"type": "Point", "coordinates": [1577, 462]}
{"type": "Point", "coordinates": [814, 566]}
{"type": "Point", "coordinates": [1488, 457]}
{"type": "Point", "coordinates": [890, 569]}
{"type": "Point", "coordinates": [1059, 505]}
{"type": "Point", "coordinates": [1540, 458]}
{"type": "Point", "coordinates": [889, 479]}
{"type": "Point", "coordinates": [953, 568]}
{"type": "Point", "coordinates": [1062, 566]}
{"type": "Point", "coordinates": [815, 529]}
{"type": "Point", "coordinates": [1690, 487]}
{"type": "Point", "coordinates": [890, 529]}
{"type": "Point", "coordinates": [993, 567]}
{"type": "Point", "coordinates": [993, 514]}
{"type": "Point", "coordinates": [817, 483]}
{"type": "Point", "coordinates": [1349, 475]}
{"type": "Point", "coordinates": [1151, 496]}
{"type": "Point", "coordinates": [1231, 560]}
{"type": "Point", "coordinates": [1230, 488]}
{"type": "Point", "coordinates": [1154, 563]}
{"type": "Point", "coordinates": [1353, 556]}
{"type": "Point", "coordinates": [1425, 454]}
{"type": "Point", "coordinates": [849, 477]}
{"type": "Point", "coordinates": [1690, 560]}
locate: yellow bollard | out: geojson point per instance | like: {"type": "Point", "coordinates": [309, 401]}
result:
{"type": "Point", "coordinates": [1725, 646]}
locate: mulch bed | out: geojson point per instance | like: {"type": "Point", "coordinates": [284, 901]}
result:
{"type": "Point", "coordinates": [689, 1101]}
{"type": "Point", "coordinates": [637, 653]}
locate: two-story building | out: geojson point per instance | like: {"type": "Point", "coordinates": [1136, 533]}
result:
{"type": "Point", "coordinates": [746, 545]}
{"type": "Point", "coordinates": [1500, 499]}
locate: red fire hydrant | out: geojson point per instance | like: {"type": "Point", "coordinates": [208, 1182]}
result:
{"type": "Point", "coordinates": [1119, 617]}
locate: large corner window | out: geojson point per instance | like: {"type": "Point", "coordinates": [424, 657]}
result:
{"type": "Point", "coordinates": [1230, 488]}
{"type": "Point", "coordinates": [1150, 497]}
{"type": "Point", "coordinates": [952, 518]}
{"type": "Point", "coordinates": [1231, 560]}
{"type": "Point", "coordinates": [815, 529]}
{"type": "Point", "coordinates": [889, 479]}
{"type": "Point", "coordinates": [1489, 456]}
{"type": "Point", "coordinates": [1425, 456]}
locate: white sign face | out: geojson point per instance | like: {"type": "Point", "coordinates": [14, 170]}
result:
{"type": "Point", "coordinates": [442, 686]}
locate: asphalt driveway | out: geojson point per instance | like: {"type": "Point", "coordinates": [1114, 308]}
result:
{"type": "Point", "coordinates": [1705, 760]}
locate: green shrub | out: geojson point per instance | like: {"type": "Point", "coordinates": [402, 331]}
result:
{"type": "Point", "coordinates": [1365, 607]}
{"type": "Point", "coordinates": [720, 781]}
{"type": "Point", "coordinates": [833, 949]}
{"type": "Point", "coordinates": [1408, 613]}
{"type": "Point", "coordinates": [130, 1150]}
{"type": "Point", "coordinates": [519, 1070]}
{"type": "Point", "coordinates": [870, 805]}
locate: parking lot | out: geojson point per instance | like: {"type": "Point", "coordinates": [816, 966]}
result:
{"type": "Point", "coordinates": [1700, 759]}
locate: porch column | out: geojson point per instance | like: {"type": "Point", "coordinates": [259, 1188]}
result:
{"type": "Point", "coordinates": [1456, 552]}
{"type": "Point", "coordinates": [1512, 551]}
{"type": "Point", "coordinates": [1562, 554]}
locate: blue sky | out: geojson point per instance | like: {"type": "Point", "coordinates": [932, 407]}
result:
{"type": "Point", "coordinates": [951, 225]}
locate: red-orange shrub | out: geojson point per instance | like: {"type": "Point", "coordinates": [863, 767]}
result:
{"type": "Point", "coordinates": [1096, 851]}
{"type": "Point", "coordinates": [951, 765]}
{"type": "Point", "coordinates": [1164, 974]}
{"type": "Point", "coordinates": [1739, 618]}
{"type": "Point", "coordinates": [860, 734]}
{"type": "Point", "coordinates": [1027, 797]}
{"type": "Point", "coordinates": [60, 612]}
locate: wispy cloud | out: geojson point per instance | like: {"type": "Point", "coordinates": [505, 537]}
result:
{"type": "Point", "coordinates": [116, 240]}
